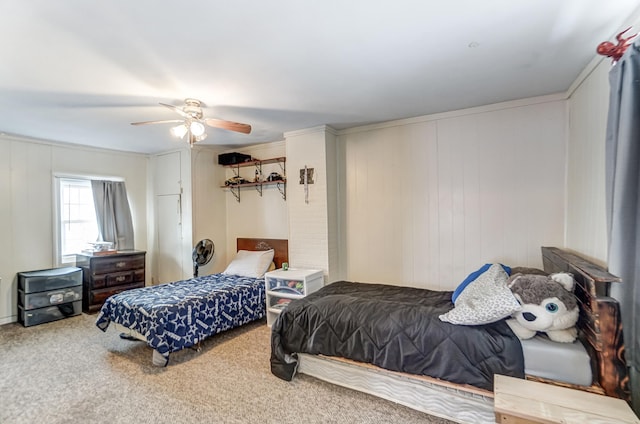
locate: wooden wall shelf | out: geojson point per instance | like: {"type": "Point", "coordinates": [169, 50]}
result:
{"type": "Point", "coordinates": [257, 164]}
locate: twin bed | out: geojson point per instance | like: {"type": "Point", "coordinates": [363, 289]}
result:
{"type": "Point", "coordinates": [171, 317]}
{"type": "Point", "coordinates": [386, 340]}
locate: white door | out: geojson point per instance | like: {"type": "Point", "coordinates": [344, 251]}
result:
{"type": "Point", "coordinates": [167, 174]}
{"type": "Point", "coordinates": [169, 256]}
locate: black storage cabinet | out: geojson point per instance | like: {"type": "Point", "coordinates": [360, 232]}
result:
{"type": "Point", "coordinates": [233, 158]}
{"type": "Point", "coordinates": [49, 295]}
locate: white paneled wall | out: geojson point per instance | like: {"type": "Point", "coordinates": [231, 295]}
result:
{"type": "Point", "coordinates": [256, 216]}
{"type": "Point", "coordinates": [8, 292]}
{"type": "Point", "coordinates": [586, 216]}
{"type": "Point", "coordinates": [427, 201]}
{"type": "Point", "coordinates": [313, 226]}
{"type": "Point", "coordinates": [26, 202]}
{"type": "Point", "coordinates": [209, 207]}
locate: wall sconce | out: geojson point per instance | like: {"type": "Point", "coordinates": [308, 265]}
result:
{"type": "Point", "coordinates": [306, 175]}
{"type": "Point", "coordinates": [306, 178]}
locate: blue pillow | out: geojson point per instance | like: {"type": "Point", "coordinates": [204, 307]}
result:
{"type": "Point", "coordinates": [471, 277]}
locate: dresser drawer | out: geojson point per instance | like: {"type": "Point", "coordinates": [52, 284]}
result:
{"type": "Point", "coordinates": [97, 297]}
{"type": "Point", "coordinates": [119, 278]}
{"type": "Point", "coordinates": [117, 264]}
{"type": "Point", "coordinates": [97, 282]}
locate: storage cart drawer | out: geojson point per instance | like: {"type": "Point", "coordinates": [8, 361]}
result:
{"type": "Point", "coordinates": [50, 313]}
{"type": "Point", "coordinates": [49, 298]}
{"type": "Point", "coordinates": [49, 279]}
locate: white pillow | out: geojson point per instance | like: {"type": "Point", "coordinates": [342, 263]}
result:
{"type": "Point", "coordinates": [250, 263]}
{"type": "Point", "coordinates": [485, 300]}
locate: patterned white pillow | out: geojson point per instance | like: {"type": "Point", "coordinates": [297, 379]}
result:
{"type": "Point", "coordinates": [485, 300]}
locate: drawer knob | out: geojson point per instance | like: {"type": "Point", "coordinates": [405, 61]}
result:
{"type": "Point", "coordinates": [121, 264]}
{"type": "Point", "coordinates": [120, 278]}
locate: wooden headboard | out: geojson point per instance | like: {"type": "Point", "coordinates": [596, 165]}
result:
{"type": "Point", "coordinates": [599, 325]}
{"type": "Point", "coordinates": [280, 247]}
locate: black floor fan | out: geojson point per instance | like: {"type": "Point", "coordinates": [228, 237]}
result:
{"type": "Point", "coordinates": [202, 254]}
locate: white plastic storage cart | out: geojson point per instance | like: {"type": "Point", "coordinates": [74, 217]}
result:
{"type": "Point", "coordinates": [285, 286]}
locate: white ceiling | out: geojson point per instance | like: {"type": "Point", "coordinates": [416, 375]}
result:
{"type": "Point", "coordinates": [80, 71]}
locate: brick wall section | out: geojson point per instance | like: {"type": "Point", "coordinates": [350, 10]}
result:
{"type": "Point", "coordinates": [312, 225]}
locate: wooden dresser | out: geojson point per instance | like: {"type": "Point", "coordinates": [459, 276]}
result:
{"type": "Point", "coordinates": [105, 275]}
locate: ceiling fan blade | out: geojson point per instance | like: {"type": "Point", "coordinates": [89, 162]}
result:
{"type": "Point", "coordinates": [157, 122]}
{"type": "Point", "coordinates": [228, 125]}
{"type": "Point", "coordinates": [178, 110]}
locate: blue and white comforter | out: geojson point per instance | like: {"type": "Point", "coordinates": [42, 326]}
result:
{"type": "Point", "coordinates": [177, 315]}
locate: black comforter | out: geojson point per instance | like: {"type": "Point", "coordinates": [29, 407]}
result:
{"type": "Point", "coordinates": [396, 328]}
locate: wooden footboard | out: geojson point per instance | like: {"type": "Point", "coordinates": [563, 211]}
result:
{"type": "Point", "coordinates": [599, 325]}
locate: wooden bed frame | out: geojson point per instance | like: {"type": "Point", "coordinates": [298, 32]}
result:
{"type": "Point", "coordinates": [599, 325]}
{"type": "Point", "coordinates": [280, 247]}
{"type": "Point", "coordinates": [600, 330]}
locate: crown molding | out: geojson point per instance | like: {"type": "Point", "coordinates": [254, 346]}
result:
{"type": "Point", "coordinates": [312, 130]}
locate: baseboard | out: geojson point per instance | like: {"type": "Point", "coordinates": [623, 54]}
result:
{"type": "Point", "coordinates": [8, 320]}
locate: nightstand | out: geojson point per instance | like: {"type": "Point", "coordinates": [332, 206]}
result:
{"type": "Point", "coordinates": [285, 286]}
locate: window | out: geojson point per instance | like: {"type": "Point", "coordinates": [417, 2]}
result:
{"type": "Point", "coordinates": [76, 223]}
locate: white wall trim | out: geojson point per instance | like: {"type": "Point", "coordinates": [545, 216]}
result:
{"type": "Point", "coordinates": [86, 176]}
{"type": "Point", "coordinates": [632, 20]}
{"type": "Point", "coordinates": [54, 143]}
{"type": "Point", "coordinates": [55, 224]}
{"type": "Point", "coordinates": [457, 113]}
{"type": "Point", "coordinates": [312, 130]}
{"type": "Point", "coordinates": [567, 149]}
{"type": "Point", "coordinates": [584, 75]}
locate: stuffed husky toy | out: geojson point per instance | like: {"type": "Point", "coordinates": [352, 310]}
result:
{"type": "Point", "coordinates": [548, 305]}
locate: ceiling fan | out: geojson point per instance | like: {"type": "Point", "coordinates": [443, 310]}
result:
{"type": "Point", "coordinates": [192, 122]}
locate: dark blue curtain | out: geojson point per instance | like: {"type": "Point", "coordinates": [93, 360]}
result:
{"type": "Point", "coordinates": [623, 201]}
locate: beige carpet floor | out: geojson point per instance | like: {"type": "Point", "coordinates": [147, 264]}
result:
{"type": "Point", "coordinates": [69, 371]}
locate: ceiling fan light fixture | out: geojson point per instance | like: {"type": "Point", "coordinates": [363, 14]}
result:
{"type": "Point", "coordinates": [197, 129]}
{"type": "Point", "coordinates": [179, 130]}
{"type": "Point", "coordinates": [192, 122]}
